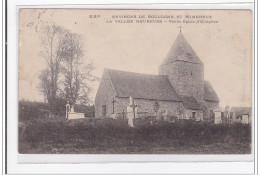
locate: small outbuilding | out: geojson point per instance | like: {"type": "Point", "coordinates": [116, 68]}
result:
{"type": "Point", "coordinates": [241, 114]}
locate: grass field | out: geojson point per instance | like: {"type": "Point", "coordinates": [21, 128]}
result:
{"type": "Point", "coordinates": [104, 136]}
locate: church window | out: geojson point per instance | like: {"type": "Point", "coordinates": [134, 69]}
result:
{"type": "Point", "coordinates": [104, 110]}
{"type": "Point", "coordinates": [193, 115]}
{"type": "Point", "coordinates": [211, 113]}
{"type": "Point", "coordinates": [191, 73]}
{"type": "Point", "coordinates": [222, 115]}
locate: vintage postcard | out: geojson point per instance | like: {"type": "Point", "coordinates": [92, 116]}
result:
{"type": "Point", "coordinates": [115, 81]}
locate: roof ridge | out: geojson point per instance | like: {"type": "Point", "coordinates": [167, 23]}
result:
{"type": "Point", "coordinates": [143, 86]}
{"type": "Point", "coordinates": [178, 60]}
{"type": "Point", "coordinates": [133, 72]}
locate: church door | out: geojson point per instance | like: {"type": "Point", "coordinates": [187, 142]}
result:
{"type": "Point", "coordinates": [193, 115]}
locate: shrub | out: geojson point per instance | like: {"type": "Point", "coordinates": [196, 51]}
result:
{"type": "Point", "coordinates": [32, 110]}
{"type": "Point", "coordinates": [35, 110]}
{"type": "Point", "coordinates": [88, 110]}
{"type": "Point", "coordinates": [45, 130]}
{"type": "Point", "coordinates": [144, 121]}
{"type": "Point", "coordinates": [104, 133]}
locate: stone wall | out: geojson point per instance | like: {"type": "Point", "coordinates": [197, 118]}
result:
{"type": "Point", "coordinates": [210, 105]}
{"type": "Point", "coordinates": [187, 114]}
{"type": "Point", "coordinates": [187, 78]}
{"type": "Point", "coordinates": [171, 70]}
{"type": "Point", "coordinates": [146, 107]}
{"type": "Point", "coordinates": [105, 95]}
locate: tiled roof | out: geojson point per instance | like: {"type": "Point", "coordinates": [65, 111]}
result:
{"type": "Point", "coordinates": [142, 86]}
{"type": "Point", "coordinates": [181, 50]}
{"type": "Point", "coordinates": [209, 92]}
{"type": "Point", "coordinates": [190, 103]}
{"type": "Point", "coordinates": [154, 87]}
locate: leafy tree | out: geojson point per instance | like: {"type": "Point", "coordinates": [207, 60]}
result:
{"type": "Point", "coordinates": [51, 36]}
{"type": "Point", "coordinates": [77, 75]}
{"type": "Point", "coordinates": [63, 52]}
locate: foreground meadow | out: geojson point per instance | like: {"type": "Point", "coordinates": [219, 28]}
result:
{"type": "Point", "coordinates": [109, 136]}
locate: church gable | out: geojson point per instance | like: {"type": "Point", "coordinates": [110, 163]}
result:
{"type": "Point", "coordinates": [104, 96]}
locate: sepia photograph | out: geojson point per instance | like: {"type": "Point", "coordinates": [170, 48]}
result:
{"type": "Point", "coordinates": [126, 81]}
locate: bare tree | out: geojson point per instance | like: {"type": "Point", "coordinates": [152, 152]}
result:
{"type": "Point", "coordinates": [63, 52]}
{"type": "Point", "coordinates": [76, 73]}
{"type": "Point", "coordinates": [51, 37]}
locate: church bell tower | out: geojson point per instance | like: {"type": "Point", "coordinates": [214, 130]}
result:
{"type": "Point", "coordinates": [184, 69]}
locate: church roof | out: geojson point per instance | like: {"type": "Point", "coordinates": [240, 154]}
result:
{"type": "Point", "coordinates": [142, 86]}
{"type": "Point", "coordinates": [209, 92]}
{"type": "Point", "coordinates": [154, 87]}
{"type": "Point", "coordinates": [182, 51]}
{"type": "Point", "coordinates": [190, 103]}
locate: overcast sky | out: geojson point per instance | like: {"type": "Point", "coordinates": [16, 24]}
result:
{"type": "Point", "coordinates": [224, 47]}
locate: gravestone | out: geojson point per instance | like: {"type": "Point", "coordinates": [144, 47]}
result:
{"type": "Point", "coordinates": [131, 112]}
{"type": "Point", "coordinates": [72, 108]}
{"type": "Point", "coordinates": [76, 115]}
{"type": "Point", "coordinates": [166, 115]}
{"type": "Point", "coordinates": [67, 109]}
{"type": "Point", "coordinates": [113, 116]}
{"type": "Point", "coordinates": [245, 119]}
{"type": "Point", "coordinates": [159, 115]}
{"type": "Point", "coordinates": [130, 116]}
{"type": "Point", "coordinates": [217, 118]}
{"type": "Point", "coordinates": [71, 114]}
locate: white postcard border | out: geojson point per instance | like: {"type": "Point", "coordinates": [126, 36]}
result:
{"type": "Point", "coordinates": [44, 163]}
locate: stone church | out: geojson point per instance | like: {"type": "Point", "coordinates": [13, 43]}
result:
{"type": "Point", "coordinates": [179, 90]}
